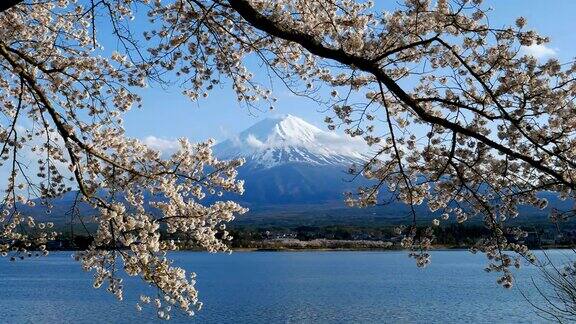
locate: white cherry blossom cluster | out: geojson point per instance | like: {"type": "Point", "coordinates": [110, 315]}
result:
{"type": "Point", "coordinates": [130, 227]}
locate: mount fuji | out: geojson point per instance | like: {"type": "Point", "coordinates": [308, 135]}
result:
{"type": "Point", "coordinates": [292, 162]}
{"type": "Point", "coordinates": [288, 139]}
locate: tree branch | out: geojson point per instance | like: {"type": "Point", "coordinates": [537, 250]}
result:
{"type": "Point", "coordinates": [7, 4]}
{"type": "Point", "coordinates": [314, 46]}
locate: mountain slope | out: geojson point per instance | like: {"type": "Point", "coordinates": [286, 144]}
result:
{"type": "Point", "coordinates": [281, 140]}
{"type": "Point", "coordinates": [292, 163]}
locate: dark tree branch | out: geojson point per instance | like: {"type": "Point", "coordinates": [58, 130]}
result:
{"type": "Point", "coordinates": [314, 46]}
{"type": "Point", "coordinates": [7, 4]}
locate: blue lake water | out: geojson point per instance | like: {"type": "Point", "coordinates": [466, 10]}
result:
{"type": "Point", "coordinates": [281, 287]}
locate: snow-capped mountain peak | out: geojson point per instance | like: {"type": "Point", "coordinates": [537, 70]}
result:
{"type": "Point", "coordinates": [288, 139]}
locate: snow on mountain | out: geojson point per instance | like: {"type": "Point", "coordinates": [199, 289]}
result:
{"type": "Point", "coordinates": [286, 139]}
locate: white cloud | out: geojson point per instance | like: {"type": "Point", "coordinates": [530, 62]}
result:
{"type": "Point", "coordinates": [252, 141]}
{"type": "Point", "coordinates": [28, 159]}
{"type": "Point", "coordinates": [539, 51]}
{"type": "Point", "coordinates": [343, 144]}
{"type": "Point", "coordinates": [165, 146]}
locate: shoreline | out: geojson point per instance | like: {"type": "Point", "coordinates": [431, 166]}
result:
{"type": "Point", "coordinates": [372, 250]}
{"type": "Point", "coordinates": [288, 250]}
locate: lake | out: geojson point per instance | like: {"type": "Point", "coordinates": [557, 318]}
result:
{"type": "Point", "coordinates": [281, 287]}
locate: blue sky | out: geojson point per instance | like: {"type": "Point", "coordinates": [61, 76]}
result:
{"type": "Point", "coordinates": [168, 115]}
